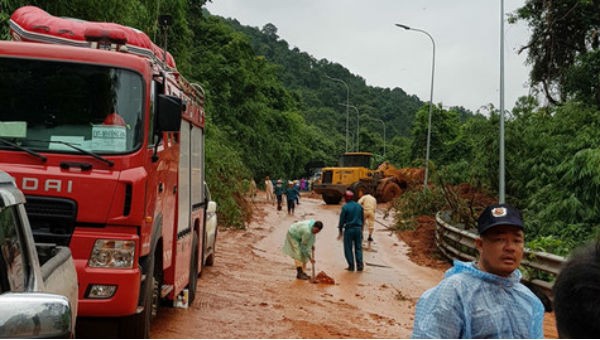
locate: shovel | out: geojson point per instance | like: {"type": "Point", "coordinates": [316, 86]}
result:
{"type": "Point", "coordinates": [313, 280]}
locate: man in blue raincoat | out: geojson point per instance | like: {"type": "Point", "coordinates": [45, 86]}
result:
{"type": "Point", "coordinates": [292, 195]}
{"type": "Point", "coordinates": [484, 299]}
{"type": "Point", "coordinates": [351, 228]}
{"type": "Point", "coordinates": [299, 243]}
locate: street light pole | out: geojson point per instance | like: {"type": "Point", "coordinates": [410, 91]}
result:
{"type": "Point", "coordinates": [501, 187]}
{"type": "Point", "coordinates": [430, 101]}
{"type": "Point", "coordinates": [357, 125]}
{"type": "Point", "coordinates": [382, 122]}
{"type": "Point", "coordinates": [347, 104]}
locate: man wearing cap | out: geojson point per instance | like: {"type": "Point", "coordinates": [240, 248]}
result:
{"type": "Point", "coordinates": [292, 195]}
{"type": "Point", "coordinates": [484, 299]}
{"type": "Point", "coordinates": [350, 225]}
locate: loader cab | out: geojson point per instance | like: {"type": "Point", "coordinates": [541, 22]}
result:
{"type": "Point", "coordinates": [356, 159]}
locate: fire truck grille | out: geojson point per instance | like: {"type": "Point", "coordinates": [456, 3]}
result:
{"type": "Point", "coordinates": [327, 177]}
{"type": "Point", "coordinates": [52, 219]}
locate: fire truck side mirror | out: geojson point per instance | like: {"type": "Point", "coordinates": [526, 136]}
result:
{"type": "Point", "coordinates": [168, 117]}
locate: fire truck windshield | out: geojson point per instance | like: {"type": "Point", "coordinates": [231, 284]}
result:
{"type": "Point", "coordinates": [48, 105]}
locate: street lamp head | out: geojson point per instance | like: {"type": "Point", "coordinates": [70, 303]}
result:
{"type": "Point", "coordinates": [430, 100]}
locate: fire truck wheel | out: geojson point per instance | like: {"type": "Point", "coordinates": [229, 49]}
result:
{"type": "Point", "coordinates": [138, 326]}
{"type": "Point", "coordinates": [193, 278]}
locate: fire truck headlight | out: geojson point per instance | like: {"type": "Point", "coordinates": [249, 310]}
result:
{"type": "Point", "coordinates": [101, 292]}
{"type": "Point", "coordinates": [112, 254]}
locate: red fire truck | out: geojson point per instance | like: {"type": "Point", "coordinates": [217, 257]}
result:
{"type": "Point", "coordinates": [106, 139]}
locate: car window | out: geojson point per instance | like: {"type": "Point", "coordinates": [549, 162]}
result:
{"type": "Point", "coordinates": [12, 260]}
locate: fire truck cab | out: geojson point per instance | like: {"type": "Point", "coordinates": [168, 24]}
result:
{"type": "Point", "coordinates": [106, 140]}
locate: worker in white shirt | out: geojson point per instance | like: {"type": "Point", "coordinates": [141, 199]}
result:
{"type": "Point", "coordinates": [369, 204]}
{"type": "Point", "coordinates": [269, 190]}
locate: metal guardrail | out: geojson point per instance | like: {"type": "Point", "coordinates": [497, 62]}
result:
{"type": "Point", "coordinates": [457, 243]}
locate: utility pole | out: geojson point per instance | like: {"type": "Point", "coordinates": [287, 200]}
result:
{"type": "Point", "coordinates": [347, 104]}
{"type": "Point", "coordinates": [501, 187]}
{"type": "Point", "coordinates": [430, 101]}
{"type": "Point", "coordinates": [357, 125]}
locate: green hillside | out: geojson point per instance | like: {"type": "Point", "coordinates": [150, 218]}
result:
{"type": "Point", "coordinates": [317, 90]}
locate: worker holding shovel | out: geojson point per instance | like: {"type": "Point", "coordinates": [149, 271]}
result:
{"type": "Point", "coordinates": [299, 242]}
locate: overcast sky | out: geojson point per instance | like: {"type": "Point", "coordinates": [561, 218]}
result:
{"type": "Point", "coordinates": [361, 36]}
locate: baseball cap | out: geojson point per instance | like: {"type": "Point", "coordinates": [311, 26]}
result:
{"type": "Point", "coordinates": [499, 214]}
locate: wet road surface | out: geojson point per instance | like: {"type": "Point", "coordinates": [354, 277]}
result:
{"type": "Point", "coordinates": [251, 291]}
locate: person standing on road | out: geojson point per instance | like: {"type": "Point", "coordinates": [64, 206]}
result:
{"type": "Point", "coordinates": [484, 299]}
{"type": "Point", "coordinates": [577, 294]}
{"type": "Point", "coordinates": [269, 190]}
{"type": "Point", "coordinates": [279, 190]}
{"type": "Point", "coordinates": [297, 187]}
{"type": "Point", "coordinates": [252, 189]}
{"type": "Point", "coordinates": [351, 226]}
{"type": "Point", "coordinates": [292, 195]}
{"type": "Point", "coordinates": [299, 243]}
{"type": "Point", "coordinates": [369, 204]}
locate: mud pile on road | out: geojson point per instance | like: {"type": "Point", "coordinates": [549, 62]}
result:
{"type": "Point", "coordinates": [324, 278]}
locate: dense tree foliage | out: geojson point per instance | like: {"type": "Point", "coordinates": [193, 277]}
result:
{"type": "Point", "coordinates": [320, 88]}
{"type": "Point", "coordinates": [552, 169]}
{"type": "Point", "coordinates": [563, 33]}
{"type": "Point", "coordinates": [552, 164]}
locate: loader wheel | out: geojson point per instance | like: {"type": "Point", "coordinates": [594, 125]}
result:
{"type": "Point", "coordinates": [332, 199]}
{"type": "Point", "coordinates": [390, 191]}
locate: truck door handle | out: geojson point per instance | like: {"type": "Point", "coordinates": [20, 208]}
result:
{"type": "Point", "coordinates": [174, 189]}
{"type": "Point", "coordinates": [160, 187]}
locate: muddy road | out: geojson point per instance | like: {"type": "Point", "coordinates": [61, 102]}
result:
{"type": "Point", "coordinates": [252, 292]}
